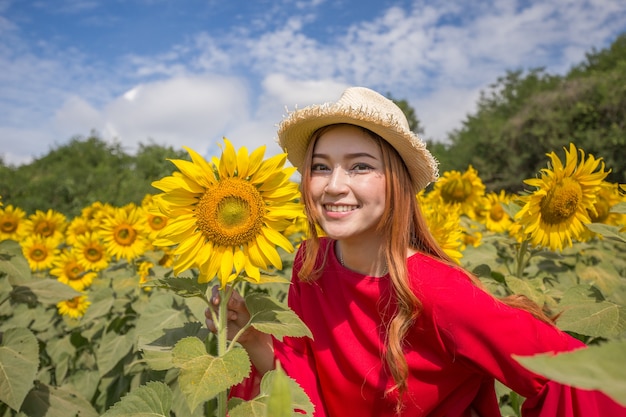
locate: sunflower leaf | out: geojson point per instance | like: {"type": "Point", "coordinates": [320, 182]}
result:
{"type": "Point", "coordinates": [268, 315]}
{"type": "Point", "coordinates": [45, 291]}
{"type": "Point", "coordinates": [203, 376]}
{"type": "Point", "coordinates": [608, 231]}
{"type": "Point", "coordinates": [154, 399]}
{"type": "Point", "coordinates": [592, 368]}
{"type": "Point", "coordinates": [279, 395]}
{"type": "Point", "coordinates": [56, 402]}
{"type": "Point", "coordinates": [584, 313]}
{"type": "Point", "coordinates": [183, 286]}
{"type": "Point", "coordinates": [19, 360]}
{"type": "Point", "coordinates": [13, 263]}
{"type": "Point", "coordinates": [619, 208]}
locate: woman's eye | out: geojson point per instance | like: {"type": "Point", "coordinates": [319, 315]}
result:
{"type": "Point", "coordinates": [361, 167]}
{"type": "Point", "coordinates": [319, 168]}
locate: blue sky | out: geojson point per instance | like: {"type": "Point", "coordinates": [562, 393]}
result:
{"type": "Point", "coordinates": [189, 72]}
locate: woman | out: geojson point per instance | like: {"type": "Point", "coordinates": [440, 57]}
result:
{"type": "Point", "coordinates": [398, 328]}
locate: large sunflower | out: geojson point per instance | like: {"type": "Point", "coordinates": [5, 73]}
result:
{"type": "Point", "coordinates": [13, 223]}
{"type": "Point", "coordinates": [227, 216]}
{"type": "Point", "coordinates": [556, 212]}
{"type": "Point", "coordinates": [68, 271]}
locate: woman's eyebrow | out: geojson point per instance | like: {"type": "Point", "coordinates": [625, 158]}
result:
{"type": "Point", "coordinates": [346, 156]}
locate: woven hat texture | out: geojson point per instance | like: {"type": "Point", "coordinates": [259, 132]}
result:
{"type": "Point", "coordinates": [363, 107]}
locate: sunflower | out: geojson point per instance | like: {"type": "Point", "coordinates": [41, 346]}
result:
{"type": "Point", "coordinates": [39, 252]}
{"type": "Point", "coordinates": [49, 225]}
{"type": "Point", "coordinates": [155, 220]}
{"type": "Point", "coordinates": [556, 212]}
{"type": "Point", "coordinates": [91, 252]}
{"type": "Point", "coordinates": [13, 223]}
{"type": "Point", "coordinates": [74, 308]}
{"type": "Point", "coordinates": [227, 217]}
{"type": "Point", "coordinates": [96, 213]}
{"type": "Point", "coordinates": [608, 196]}
{"type": "Point", "coordinates": [123, 233]}
{"type": "Point", "coordinates": [144, 270]}
{"type": "Point", "coordinates": [496, 218]}
{"type": "Point", "coordinates": [77, 227]}
{"type": "Point", "coordinates": [68, 271]}
{"type": "Point", "coordinates": [444, 223]}
{"type": "Point", "coordinates": [461, 189]}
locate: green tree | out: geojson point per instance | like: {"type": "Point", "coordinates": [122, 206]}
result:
{"type": "Point", "coordinates": [525, 115]}
{"type": "Point", "coordinates": [83, 171]}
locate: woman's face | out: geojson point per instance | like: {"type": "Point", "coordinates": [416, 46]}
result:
{"type": "Point", "coordinates": [347, 183]}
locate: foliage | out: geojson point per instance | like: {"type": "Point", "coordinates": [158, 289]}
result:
{"type": "Point", "coordinates": [525, 115]}
{"type": "Point", "coordinates": [75, 175]}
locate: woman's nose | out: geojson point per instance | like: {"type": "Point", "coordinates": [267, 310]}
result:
{"type": "Point", "coordinates": [337, 181]}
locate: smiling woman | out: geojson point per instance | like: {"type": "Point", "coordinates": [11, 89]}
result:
{"type": "Point", "coordinates": [398, 326]}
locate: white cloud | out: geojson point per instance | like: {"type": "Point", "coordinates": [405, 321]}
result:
{"type": "Point", "coordinates": [436, 54]}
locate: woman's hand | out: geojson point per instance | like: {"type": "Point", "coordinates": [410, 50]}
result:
{"type": "Point", "coordinates": [259, 345]}
{"type": "Point", "coordinates": [237, 315]}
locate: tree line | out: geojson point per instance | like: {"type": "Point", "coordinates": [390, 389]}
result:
{"type": "Point", "coordinates": [522, 116]}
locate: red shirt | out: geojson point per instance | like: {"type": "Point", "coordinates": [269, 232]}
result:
{"type": "Point", "coordinates": [461, 342]}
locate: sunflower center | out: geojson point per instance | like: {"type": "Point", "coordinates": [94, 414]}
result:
{"type": "Point", "coordinates": [124, 234]}
{"type": "Point", "coordinates": [38, 254]}
{"type": "Point", "coordinates": [456, 190]}
{"type": "Point", "coordinates": [93, 254]}
{"type": "Point", "coordinates": [231, 212]}
{"type": "Point", "coordinates": [44, 228]}
{"type": "Point", "coordinates": [561, 202]}
{"type": "Point", "coordinates": [8, 226]}
{"type": "Point", "coordinates": [496, 213]}
{"type": "Point", "coordinates": [157, 222]}
{"type": "Point", "coordinates": [73, 303]}
{"type": "Point", "coordinates": [73, 271]}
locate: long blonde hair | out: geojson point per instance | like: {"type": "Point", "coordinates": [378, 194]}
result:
{"type": "Point", "coordinates": [404, 227]}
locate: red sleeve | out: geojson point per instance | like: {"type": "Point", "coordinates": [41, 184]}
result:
{"type": "Point", "coordinates": [484, 333]}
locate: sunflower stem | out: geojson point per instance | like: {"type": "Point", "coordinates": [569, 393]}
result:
{"type": "Point", "coordinates": [522, 260]}
{"type": "Point", "coordinates": [222, 343]}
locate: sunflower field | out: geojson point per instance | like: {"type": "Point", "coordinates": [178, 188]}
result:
{"type": "Point", "coordinates": [103, 313]}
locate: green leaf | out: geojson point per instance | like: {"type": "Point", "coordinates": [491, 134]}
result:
{"type": "Point", "coordinates": [19, 360]}
{"type": "Point", "coordinates": [270, 316]}
{"type": "Point", "coordinates": [185, 287]}
{"type": "Point", "coordinates": [619, 208]}
{"type": "Point", "coordinates": [113, 348]}
{"type": "Point", "coordinates": [150, 400]}
{"type": "Point", "coordinates": [531, 288]}
{"type": "Point", "coordinates": [203, 376]}
{"type": "Point", "coordinates": [46, 291]}
{"type": "Point", "coordinates": [48, 401]}
{"type": "Point", "coordinates": [598, 367]}
{"type": "Point", "coordinates": [159, 315]}
{"type": "Point", "coordinates": [258, 407]}
{"type": "Point", "coordinates": [583, 313]}
{"type": "Point", "coordinates": [279, 402]}
{"type": "Point", "coordinates": [608, 231]}
{"type": "Point", "coordinates": [13, 263]}
{"type": "Point", "coordinates": [158, 353]}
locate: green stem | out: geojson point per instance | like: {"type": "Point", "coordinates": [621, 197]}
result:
{"type": "Point", "coordinates": [222, 343]}
{"type": "Point", "coordinates": [521, 259]}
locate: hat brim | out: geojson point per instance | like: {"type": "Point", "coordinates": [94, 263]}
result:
{"type": "Point", "coordinates": [294, 135]}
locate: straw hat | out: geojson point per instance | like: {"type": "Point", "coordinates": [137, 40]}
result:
{"type": "Point", "coordinates": [366, 108]}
